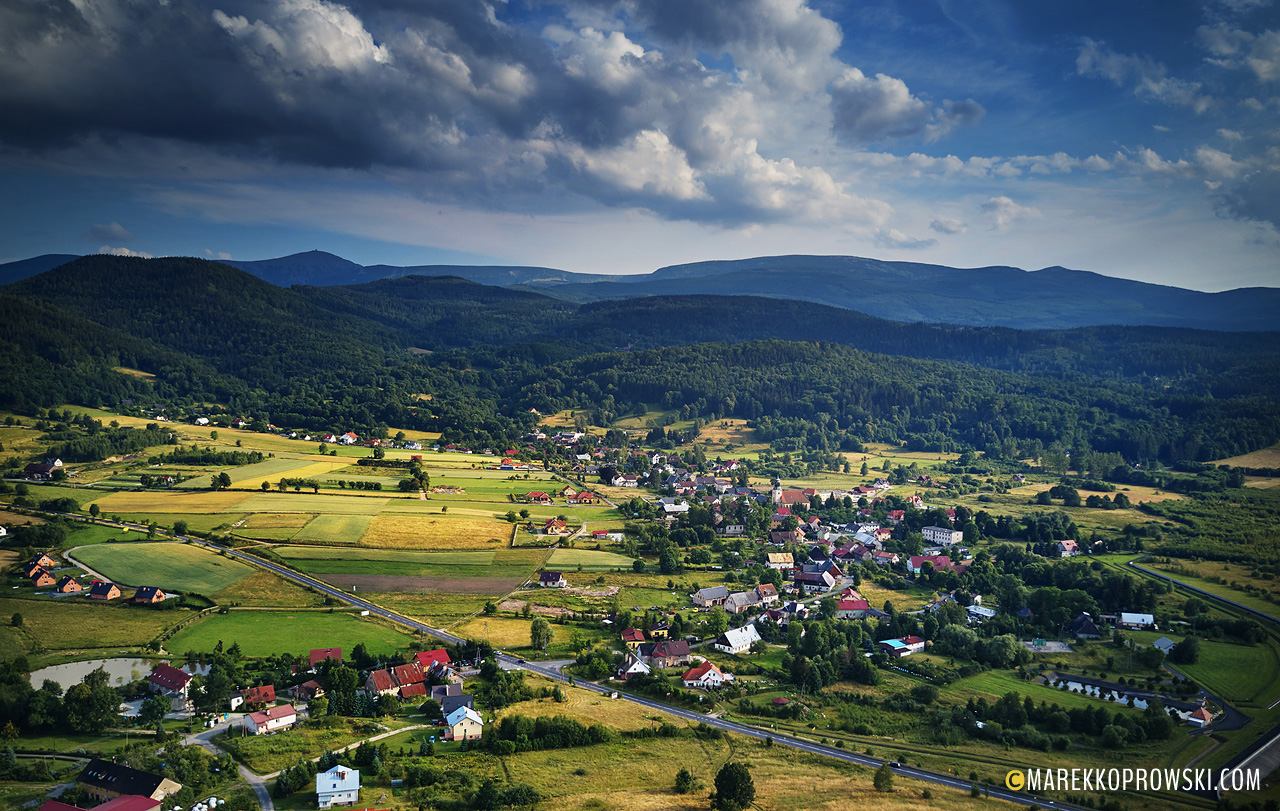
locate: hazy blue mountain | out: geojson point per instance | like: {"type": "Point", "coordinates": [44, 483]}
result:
{"type": "Point", "coordinates": [25, 268]}
{"type": "Point", "coordinates": [321, 269]}
{"type": "Point", "coordinates": [989, 296]}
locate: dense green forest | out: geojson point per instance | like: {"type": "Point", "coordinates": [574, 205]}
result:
{"type": "Point", "coordinates": [807, 376]}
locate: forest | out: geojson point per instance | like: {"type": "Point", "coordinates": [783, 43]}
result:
{"type": "Point", "coordinates": [809, 378]}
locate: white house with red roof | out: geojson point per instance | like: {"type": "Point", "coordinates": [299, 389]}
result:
{"type": "Point", "coordinates": [852, 609]}
{"type": "Point", "coordinates": [705, 676]}
{"type": "Point", "coordinates": [940, 563]}
{"type": "Point", "coordinates": [272, 719]}
{"type": "Point", "coordinates": [349, 438]}
{"type": "Point", "coordinates": [1068, 549]}
{"type": "Point", "coordinates": [431, 659]}
{"type": "Point", "coordinates": [169, 681]}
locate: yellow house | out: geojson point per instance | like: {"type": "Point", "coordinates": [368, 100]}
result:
{"type": "Point", "coordinates": [465, 724]}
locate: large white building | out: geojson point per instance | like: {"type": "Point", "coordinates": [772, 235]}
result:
{"type": "Point", "coordinates": [944, 536]}
{"type": "Point", "coordinates": [338, 786]}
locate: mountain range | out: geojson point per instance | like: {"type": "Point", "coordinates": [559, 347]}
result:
{"type": "Point", "coordinates": [1050, 298]}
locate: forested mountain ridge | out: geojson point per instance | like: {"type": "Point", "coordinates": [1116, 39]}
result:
{"type": "Point", "coordinates": [807, 376]}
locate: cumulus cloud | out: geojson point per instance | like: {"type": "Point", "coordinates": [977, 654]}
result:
{"type": "Point", "coordinates": [1148, 79]}
{"type": "Point", "coordinates": [872, 108]}
{"type": "Point", "coordinates": [1234, 48]}
{"type": "Point", "coordinates": [108, 232]}
{"type": "Point", "coordinates": [893, 238]}
{"type": "Point", "coordinates": [947, 225]}
{"type": "Point", "coordinates": [122, 251]}
{"type": "Point", "coordinates": [1003, 212]}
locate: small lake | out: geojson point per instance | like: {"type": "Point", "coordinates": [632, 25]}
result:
{"type": "Point", "coordinates": [1106, 695]}
{"type": "Point", "coordinates": [121, 670]}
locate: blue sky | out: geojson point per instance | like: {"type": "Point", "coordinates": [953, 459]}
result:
{"type": "Point", "coordinates": [1138, 139]}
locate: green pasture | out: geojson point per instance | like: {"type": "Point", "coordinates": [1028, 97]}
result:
{"type": "Point", "coordinates": [171, 566]}
{"type": "Point", "coordinates": [264, 633]}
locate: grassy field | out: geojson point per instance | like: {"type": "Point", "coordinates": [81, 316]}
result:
{"type": "Point", "coordinates": [1239, 579]}
{"type": "Point", "coordinates": [265, 754]}
{"type": "Point", "coordinates": [277, 502]}
{"type": "Point", "coordinates": [1266, 457]}
{"type": "Point", "coordinates": [993, 684]}
{"type": "Point", "coordinates": [908, 599]}
{"type": "Point", "coordinates": [512, 633]}
{"type": "Point", "coordinates": [1240, 673]}
{"type": "Point", "coordinates": [248, 476]}
{"type": "Point", "coordinates": [263, 633]}
{"type": "Point", "coordinates": [171, 566]}
{"type": "Point", "coordinates": [265, 589]}
{"type": "Point", "coordinates": [445, 532]}
{"type": "Point", "coordinates": [65, 625]}
{"type": "Point", "coordinates": [587, 560]}
{"type": "Point", "coordinates": [334, 529]}
{"type": "Point", "coordinates": [170, 501]}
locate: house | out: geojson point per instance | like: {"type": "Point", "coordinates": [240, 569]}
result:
{"type": "Point", "coordinates": [338, 786]}
{"type": "Point", "coordinates": [766, 593]}
{"type": "Point", "coordinates": [1083, 627]}
{"type": "Point", "coordinates": [1068, 549]}
{"type": "Point", "coordinates": [896, 516]}
{"type": "Point", "coordinates": [68, 585]}
{"type": "Point", "coordinates": [710, 596]}
{"type": "Point", "coordinates": [660, 630]}
{"type": "Point", "coordinates": [883, 558]}
{"type": "Point", "coordinates": [669, 653]}
{"type": "Point", "coordinates": [1164, 644]}
{"type": "Point", "coordinates": [1136, 622]}
{"type": "Point", "coordinates": [430, 660]}
{"type": "Point", "coordinates": [733, 530]}
{"type": "Point", "coordinates": [585, 497]}
{"type": "Point", "coordinates": [465, 724]}
{"type": "Point", "coordinates": [415, 690]}
{"type": "Point", "coordinates": [29, 570]}
{"type": "Point", "coordinates": [633, 638]}
{"type": "Point", "coordinates": [1200, 717]}
{"type": "Point", "coordinates": [125, 802]}
{"type": "Point", "coordinates": [450, 702]}
{"type": "Point", "coordinates": [103, 780]}
{"type": "Point", "coordinates": [202, 420]}
{"type": "Point", "coordinates": [272, 719]}
{"type": "Point", "coordinates": [40, 561]}
{"type": "Point", "coordinates": [42, 471]}
{"type": "Point", "coordinates": [148, 595]}
{"type": "Point", "coordinates": [815, 582]}
{"type": "Point", "coordinates": [705, 676]}
{"type": "Point", "coordinates": [740, 601]}
{"type": "Point", "coordinates": [852, 609]}
{"type": "Point", "coordinates": [318, 655]}
{"type": "Point", "coordinates": [408, 674]}
{"type": "Point", "coordinates": [907, 645]}
{"type": "Point", "coordinates": [633, 665]}
{"type": "Point", "coordinates": [254, 696]}
{"type": "Point", "coordinates": [782, 561]}
{"type": "Point", "coordinates": [349, 438]}
{"type": "Point", "coordinates": [552, 580]}
{"type": "Point", "coordinates": [309, 690]}
{"type": "Point", "coordinates": [104, 591]}
{"type": "Point", "coordinates": [538, 497]}
{"type": "Point", "coordinates": [439, 692]}
{"type": "Point", "coordinates": [555, 526]}
{"type": "Point", "coordinates": [942, 536]}
{"type": "Point", "coordinates": [939, 563]}
{"type": "Point", "coordinates": [380, 683]}
{"type": "Point", "coordinates": [672, 507]}
{"type": "Point", "coordinates": [978, 613]}
{"type": "Point", "coordinates": [737, 640]}
{"type": "Point", "coordinates": [41, 579]}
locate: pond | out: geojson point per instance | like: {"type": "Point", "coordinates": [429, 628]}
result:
{"type": "Point", "coordinates": [1108, 695]}
{"type": "Point", "coordinates": [121, 670]}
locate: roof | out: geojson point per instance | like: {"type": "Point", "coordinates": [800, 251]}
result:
{"type": "Point", "coordinates": [448, 704]}
{"type": "Point", "coordinates": [272, 714]}
{"type": "Point", "coordinates": [339, 778]}
{"type": "Point", "coordinates": [169, 677]}
{"type": "Point", "coordinates": [413, 690]}
{"type": "Point", "coordinates": [147, 592]}
{"type": "Point", "coordinates": [671, 647]}
{"type": "Point", "coordinates": [551, 577]}
{"type": "Point", "coordinates": [1164, 643]}
{"type": "Point", "coordinates": [128, 802]}
{"type": "Point", "coordinates": [712, 593]}
{"type": "Point", "coordinates": [937, 561]}
{"type": "Point", "coordinates": [741, 637]}
{"type": "Point", "coordinates": [318, 655]}
{"type": "Point", "coordinates": [1202, 714]}
{"type": "Point", "coordinates": [381, 680]}
{"type": "Point", "coordinates": [781, 558]}
{"type": "Point", "coordinates": [697, 672]}
{"type": "Point", "coordinates": [263, 694]}
{"type": "Point", "coordinates": [1137, 619]}
{"type": "Point", "coordinates": [852, 605]}
{"type": "Point", "coordinates": [633, 635]}
{"type": "Point", "coordinates": [102, 588]}
{"type": "Point", "coordinates": [407, 674]}
{"type": "Point", "coordinates": [430, 658]}
{"type": "Point", "coordinates": [462, 714]}
{"type": "Point", "coordinates": [118, 778]}
{"type": "Point", "coordinates": [896, 644]}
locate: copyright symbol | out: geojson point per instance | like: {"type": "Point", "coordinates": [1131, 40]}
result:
{"type": "Point", "coordinates": [1015, 780]}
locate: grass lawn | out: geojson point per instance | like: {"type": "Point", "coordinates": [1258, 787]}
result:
{"type": "Point", "coordinates": [87, 534]}
{"type": "Point", "coordinates": [1240, 673]}
{"type": "Point", "coordinates": [438, 609]}
{"type": "Point", "coordinates": [334, 529]}
{"type": "Point", "coordinates": [512, 633]}
{"type": "Point", "coordinates": [265, 754]}
{"type": "Point", "coordinates": [908, 599]}
{"type": "Point", "coordinates": [439, 531]}
{"type": "Point", "coordinates": [65, 625]}
{"type": "Point", "coordinates": [171, 566]}
{"type": "Point", "coordinates": [588, 560]}
{"type": "Point", "coordinates": [993, 684]}
{"type": "Point", "coordinates": [262, 633]}
{"type": "Point", "coordinates": [1237, 578]}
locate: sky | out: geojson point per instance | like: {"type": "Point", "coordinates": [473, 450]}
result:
{"type": "Point", "coordinates": [1137, 139]}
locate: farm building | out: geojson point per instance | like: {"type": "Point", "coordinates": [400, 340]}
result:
{"type": "Point", "coordinates": [737, 640]}
{"type": "Point", "coordinates": [552, 580]}
{"type": "Point", "coordinates": [905, 646]}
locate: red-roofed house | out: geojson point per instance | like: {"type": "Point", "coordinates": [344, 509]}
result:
{"type": "Point", "coordinates": [428, 659]}
{"type": "Point", "coordinates": [272, 719]}
{"type": "Point", "coordinates": [169, 680]}
{"type": "Point", "coordinates": [633, 638]}
{"type": "Point", "coordinates": [705, 676]}
{"type": "Point", "coordinates": [408, 674]}
{"type": "Point", "coordinates": [538, 497]}
{"type": "Point", "coordinates": [318, 655]}
{"type": "Point", "coordinates": [852, 609]}
{"type": "Point", "coordinates": [896, 516]}
{"type": "Point", "coordinates": [940, 563]}
{"type": "Point", "coordinates": [555, 526]}
{"type": "Point", "coordinates": [254, 696]}
{"type": "Point", "coordinates": [417, 690]}
{"type": "Point", "coordinates": [1068, 549]}
{"type": "Point", "coordinates": [380, 683]}
{"type": "Point", "coordinates": [308, 690]}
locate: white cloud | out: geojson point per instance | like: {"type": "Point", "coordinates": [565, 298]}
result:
{"type": "Point", "coordinates": [306, 34]}
{"type": "Point", "coordinates": [1147, 78]}
{"type": "Point", "coordinates": [1003, 212]}
{"type": "Point", "coordinates": [1235, 48]}
{"type": "Point", "coordinates": [109, 232]}
{"type": "Point", "coordinates": [947, 225]}
{"type": "Point", "coordinates": [893, 238]}
{"type": "Point", "coordinates": [1218, 164]}
{"type": "Point", "coordinates": [1230, 135]}
{"type": "Point", "coordinates": [122, 251]}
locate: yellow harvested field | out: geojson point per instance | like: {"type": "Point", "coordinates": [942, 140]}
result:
{"type": "Point", "coordinates": [587, 707]}
{"type": "Point", "coordinates": [1266, 457]}
{"type": "Point", "coordinates": [13, 519]}
{"type": "Point", "coordinates": [508, 632]}
{"type": "Point", "coordinates": [409, 433]}
{"type": "Point", "coordinates": [276, 502]}
{"type": "Point", "coordinates": [314, 470]}
{"type": "Point", "coordinates": [443, 531]}
{"type": "Point", "coordinates": [170, 501]}
{"type": "Point", "coordinates": [1261, 482]}
{"type": "Point", "coordinates": [1138, 493]}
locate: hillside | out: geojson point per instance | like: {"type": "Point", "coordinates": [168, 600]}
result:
{"type": "Point", "coordinates": [318, 268]}
{"type": "Point", "coordinates": [810, 376]}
